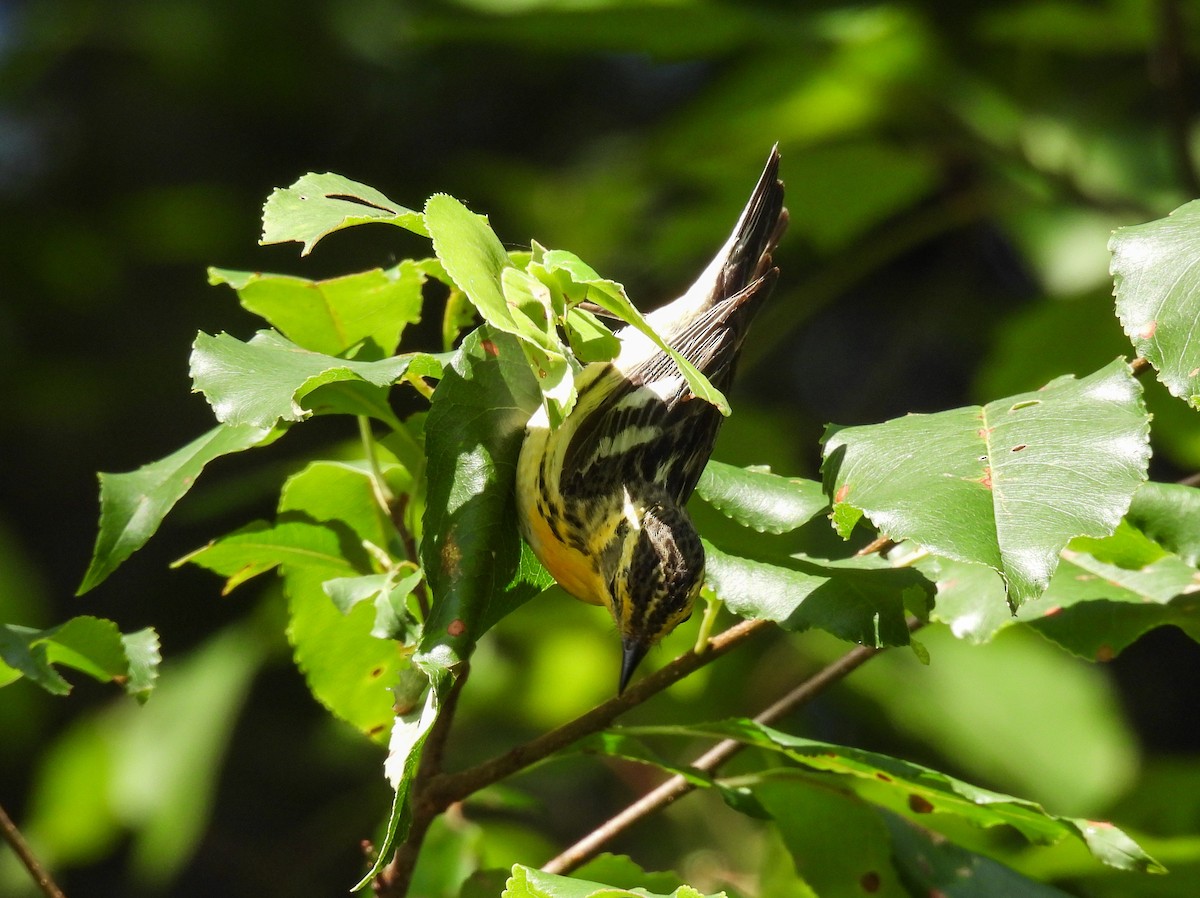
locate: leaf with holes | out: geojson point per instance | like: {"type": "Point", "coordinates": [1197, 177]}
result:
{"type": "Point", "coordinates": [319, 204]}
{"type": "Point", "coordinates": [917, 792]}
{"type": "Point", "coordinates": [1156, 276]}
{"type": "Point", "coordinates": [1006, 485]}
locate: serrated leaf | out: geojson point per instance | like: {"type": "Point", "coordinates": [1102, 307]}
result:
{"type": "Point", "coordinates": [759, 499]}
{"type": "Point", "coordinates": [474, 432]}
{"type": "Point", "coordinates": [526, 882]}
{"type": "Point", "coordinates": [610, 296]}
{"type": "Point", "coordinates": [90, 645]}
{"type": "Point", "coordinates": [912, 790]}
{"type": "Point", "coordinates": [1156, 278]}
{"type": "Point", "coordinates": [267, 379]}
{"type": "Point", "coordinates": [334, 315]}
{"type": "Point", "coordinates": [861, 600]}
{"type": "Point", "coordinates": [1006, 485]}
{"type": "Point", "coordinates": [388, 594]}
{"type": "Point", "coordinates": [319, 204]}
{"type": "Point", "coordinates": [261, 546]}
{"type": "Point", "coordinates": [132, 505]}
{"type": "Point", "coordinates": [1092, 608]}
{"type": "Point", "coordinates": [472, 256]}
{"type": "Point", "coordinates": [347, 669]}
{"type": "Point", "coordinates": [410, 729]}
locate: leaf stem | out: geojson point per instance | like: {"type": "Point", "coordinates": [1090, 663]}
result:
{"type": "Point", "coordinates": [25, 854]}
{"type": "Point", "coordinates": [383, 494]}
{"type": "Point", "coordinates": [677, 786]}
{"type": "Point", "coordinates": [712, 607]}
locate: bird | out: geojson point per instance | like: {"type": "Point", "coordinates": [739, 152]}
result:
{"type": "Point", "coordinates": [600, 498]}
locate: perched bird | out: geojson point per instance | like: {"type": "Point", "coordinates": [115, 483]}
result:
{"type": "Point", "coordinates": [601, 498]}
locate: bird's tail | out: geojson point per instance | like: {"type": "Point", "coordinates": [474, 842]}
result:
{"type": "Point", "coordinates": [745, 258]}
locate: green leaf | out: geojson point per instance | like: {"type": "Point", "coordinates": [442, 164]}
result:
{"type": "Point", "coordinates": [471, 549]}
{"type": "Point", "coordinates": [1006, 485]}
{"type": "Point", "coordinates": [526, 882]}
{"type": "Point", "coordinates": [1157, 282]}
{"type": "Point", "coordinates": [472, 255]}
{"type": "Point", "coordinates": [132, 505]}
{"type": "Point", "coordinates": [590, 340]}
{"type": "Point", "coordinates": [266, 380]}
{"type": "Point", "coordinates": [335, 315]}
{"type": "Point", "coordinates": [610, 296]}
{"type": "Point", "coordinates": [861, 600]}
{"type": "Point", "coordinates": [814, 821]}
{"type": "Point", "coordinates": [319, 204]}
{"type": "Point", "coordinates": [261, 546]}
{"type": "Point", "coordinates": [389, 594]}
{"type": "Point", "coordinates": [1092, 608]}
{"type": "Point", "coordinates": [1169, 514]}
{"type": "Point", "coordinates": [759, 499]}
{"type": "Point", "coordinates": [91, 645]}
{"type": "Point", "coordinates": [409, 732]}
{"type": "Point", "coordinates": [347, 669]}
{"type": "Point", "coordinates": [915, 791]}
{"type": "Point", "coordinates": [931, 865]}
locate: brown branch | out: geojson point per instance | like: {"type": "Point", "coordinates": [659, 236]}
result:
{"type": "Point", "coordinates": [453, 787]}
{"type": "Point", "coordinates": [25, 854]}
{"type": "Point", "coordinates": [676, 786]}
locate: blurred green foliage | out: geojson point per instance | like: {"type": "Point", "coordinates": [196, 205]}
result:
{"type": "Point", "coordinates": [953, 172]}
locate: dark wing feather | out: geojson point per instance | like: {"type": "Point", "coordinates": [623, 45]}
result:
{"type": "Point", "coordinates": [668, 433]}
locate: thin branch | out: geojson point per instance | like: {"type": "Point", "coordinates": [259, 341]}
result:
{"type": "Point", "coordinates": [25, 854]}
{"type": "Point", "coordinates": [676, 786]}
{"type": "Point", "coordinates": [453, 787]}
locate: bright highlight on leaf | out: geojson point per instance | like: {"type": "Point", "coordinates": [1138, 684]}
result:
{"type": "Point", "coordinates": [317, 205]}
{"type": "Point", "coordinates": [1006, 485]}
{"type": "Point", "coordinates": [1156, 273]}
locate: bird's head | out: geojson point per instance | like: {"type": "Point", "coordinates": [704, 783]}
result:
{"type": "Point", "coordinates": [654, 573]}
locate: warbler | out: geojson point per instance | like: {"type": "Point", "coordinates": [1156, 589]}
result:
{"type": "Point", "coordinates": [601, 497]}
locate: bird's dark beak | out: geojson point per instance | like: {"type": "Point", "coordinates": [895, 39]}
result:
{"type": "Point", "coordinates": [633, 653]}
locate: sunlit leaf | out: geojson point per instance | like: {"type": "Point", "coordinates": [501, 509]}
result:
{"type": "Point", "coordinates": [1006, 485]}
{"type": "Point", "coordinates": [759, 499]}
{"type": "Point", "coordinates": [132, 505]}
{"type": "Point", "coordinates": [474, 432]}
{"type": "Point", "coordinates": [267, 379]}
{"type": "Point", "coordinates": [861, 600]}
{"type": "Point", "coordinates": [610, 296]}
{"type": "Point", "coordinates": [319, 204]}
{"type": "Point", "coordinates": [1092, 608]}
{"type": "Point", "coordinates": [526, 882]}
{"type": "Point", "coordinates": [1156, 271]}
{"type": "Point", "coordinates": [334, 315]}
